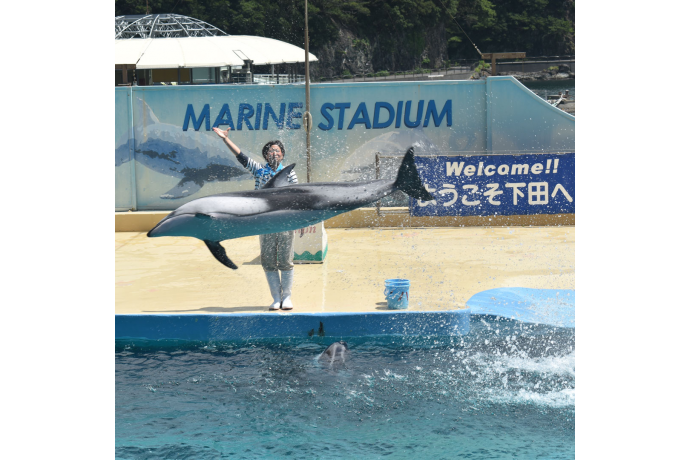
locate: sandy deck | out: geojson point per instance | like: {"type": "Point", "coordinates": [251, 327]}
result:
{"type": "Point", "coordinates": [445, 266]}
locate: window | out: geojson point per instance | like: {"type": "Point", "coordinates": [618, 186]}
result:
{"type": "Point", "coordinates": [164, 76]}
{"type": "Point", "coordinates": [202, 75]}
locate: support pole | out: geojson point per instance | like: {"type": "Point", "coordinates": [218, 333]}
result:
{"type": "Point", "coordinates": [377, 167]}
{"type": "Point", "coordinates": [307, 118]}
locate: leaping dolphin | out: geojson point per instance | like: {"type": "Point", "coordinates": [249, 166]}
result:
{"type": "Point", "coordinates": [280, 207]}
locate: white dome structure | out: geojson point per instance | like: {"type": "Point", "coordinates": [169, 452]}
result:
{"type": "Point", "coordinates": [172, 42]}
{"type": "Point", "coordinates": [162, 26]}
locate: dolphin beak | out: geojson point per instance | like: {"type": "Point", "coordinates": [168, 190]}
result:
{"type": "Point", "coordinates": [164, 227]}
{"type": "Point", "coordinates": [155, 230]}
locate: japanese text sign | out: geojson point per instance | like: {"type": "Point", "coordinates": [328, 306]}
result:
{"type": "Point", "coordinates": [504, 185]}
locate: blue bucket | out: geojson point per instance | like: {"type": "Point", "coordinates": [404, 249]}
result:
{"type": "Point", "coordinates": [397, 293]}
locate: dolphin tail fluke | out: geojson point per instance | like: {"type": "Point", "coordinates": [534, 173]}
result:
{"type": "Point", "coordinates": [218, 252]}
{"type": "Point", "coordinates": [408, 179]}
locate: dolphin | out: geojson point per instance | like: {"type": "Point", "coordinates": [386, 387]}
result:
{"type": "Point", "coordinates": [280, 207]}
{"type": "Point", "coordinates": [336, 352]}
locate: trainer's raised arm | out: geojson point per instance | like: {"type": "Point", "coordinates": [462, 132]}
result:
{"type": "Point", "coordinates": [224, 135]}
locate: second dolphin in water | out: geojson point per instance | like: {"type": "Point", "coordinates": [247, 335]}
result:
{"type": "Point", "coordinates": [337, 352]}
{"type": "Point", "coordinates": [280, 207]}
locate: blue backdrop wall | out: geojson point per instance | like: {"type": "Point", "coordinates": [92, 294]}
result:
{"type": "Point", "coordinates": [166, 153]}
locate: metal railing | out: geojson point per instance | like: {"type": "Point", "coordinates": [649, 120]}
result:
{"type": "Point", "coordinates": [457, 68]}
{"type": "Point", "coordinates": [403, 74]}
{"type": "Point", "coordinates": [277, 79]}
{"type": "Point", "coordinates": [236, 79]}
{"type": "Point", "coordinates": [453, 68]}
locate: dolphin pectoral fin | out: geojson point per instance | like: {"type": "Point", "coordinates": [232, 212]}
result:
{"type": "Point", "coordinates": [408, 179]}
{"type": "Point", "coordinates": [183, 189]}
{"type": "Point", "coordinates": [281, 178]}
{"type": "Point", "coordinates": [218, 252]}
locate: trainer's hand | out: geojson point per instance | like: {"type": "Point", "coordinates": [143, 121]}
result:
{"type": "Point", "coordinates": [222, 134]}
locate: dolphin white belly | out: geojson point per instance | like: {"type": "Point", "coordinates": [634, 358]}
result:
{"type": "Point", "coordinates": [221, 227]}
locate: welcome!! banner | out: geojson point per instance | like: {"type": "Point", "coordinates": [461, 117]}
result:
{"type": "Point", "coordinates": [485, 185]}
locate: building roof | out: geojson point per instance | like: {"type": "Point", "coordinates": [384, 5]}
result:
{"type": "Point", "coordinates": [160, 41]}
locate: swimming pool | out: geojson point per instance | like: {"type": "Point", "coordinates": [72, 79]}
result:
{"type": "Point", "coordinates": [506, 389]}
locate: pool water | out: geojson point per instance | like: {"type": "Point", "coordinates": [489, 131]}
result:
{"type": "Point", "coordinates": [505, 390]}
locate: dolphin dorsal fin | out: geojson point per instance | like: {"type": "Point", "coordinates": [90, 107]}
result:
{"type": "Point", "coordinates": [280, 179]}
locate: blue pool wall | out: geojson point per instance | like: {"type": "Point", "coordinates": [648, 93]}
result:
{"type": "Point", "coordinates": [555, 307]}
{"type": "Point", "coordinates": [247, 326]}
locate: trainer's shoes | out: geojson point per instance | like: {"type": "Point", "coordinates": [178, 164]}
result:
{"type": "Point", "coordinates": [273, 279]}
{"type": "Point", "coordinates": [286, 284]}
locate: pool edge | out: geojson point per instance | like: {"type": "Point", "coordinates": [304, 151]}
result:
{"type": "Point", "coordinates": [248, 326]}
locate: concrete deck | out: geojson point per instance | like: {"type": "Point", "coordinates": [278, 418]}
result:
{"type": "Point", "coordinates": [446, 266]}
{"type": "Point", "coordinates": [143, 221]}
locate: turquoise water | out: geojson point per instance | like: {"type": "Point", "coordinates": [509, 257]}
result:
{"type": "Point", "coordinates": [506, 390]}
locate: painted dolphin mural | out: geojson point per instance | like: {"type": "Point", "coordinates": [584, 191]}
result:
{"type": "Point", "coordinates": [359, 165]}
{"type": "Point", "coordinates": [280, 207]}
{"type": "Point", "coordinates": [166, 149]}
